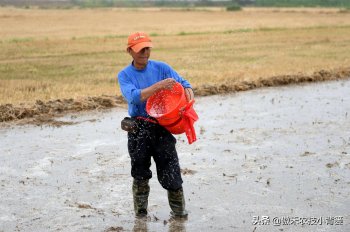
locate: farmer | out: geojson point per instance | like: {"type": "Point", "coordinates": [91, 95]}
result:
{"type": "Point", "coordinates": [138, 81]}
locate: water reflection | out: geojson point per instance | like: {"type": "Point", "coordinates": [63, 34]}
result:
{"type": "Point", "coordinates": [140, 225]}
{"type": "Point", "coordinates": [175, 225]}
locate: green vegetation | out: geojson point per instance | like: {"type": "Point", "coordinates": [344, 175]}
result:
{"type": "Point", "coordinates": [303, 3]}
{"type": "Point", "coordinates": [157, 3]}
{"type": "Point", "coordinates": [232, 5]}
{"type": "Point", "coordinates": [93, 3]}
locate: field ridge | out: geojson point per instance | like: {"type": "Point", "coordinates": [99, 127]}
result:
{"type": "Point", "coordinates": [45, 112]}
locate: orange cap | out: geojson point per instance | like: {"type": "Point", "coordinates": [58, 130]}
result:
{"type": "Point", "coordinates": [139, 40]}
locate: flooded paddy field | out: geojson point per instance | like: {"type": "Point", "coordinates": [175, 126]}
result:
{"type": "Point", "coordinates": [270, 159]}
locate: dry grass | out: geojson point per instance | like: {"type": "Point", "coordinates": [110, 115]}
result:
{"type": "Point", "coordinates": [35, 23]}
{"type": "Point", "coordinates": [49, 54]}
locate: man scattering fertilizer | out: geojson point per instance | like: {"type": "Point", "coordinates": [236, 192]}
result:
{"type": "Point", "coordinates": [146, 138]}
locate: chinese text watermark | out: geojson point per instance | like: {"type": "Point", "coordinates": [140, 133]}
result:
{"type": "Point", "coordinates": [286, 221]}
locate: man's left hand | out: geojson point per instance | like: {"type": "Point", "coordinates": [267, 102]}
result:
{"type": "Point", "coordinates": [189, 94]}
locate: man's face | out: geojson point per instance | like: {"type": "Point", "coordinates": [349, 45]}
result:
{"type": "Point", "coordinates": [140, 58]}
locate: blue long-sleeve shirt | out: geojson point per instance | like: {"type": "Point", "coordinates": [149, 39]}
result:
{"type": "Point", "coordinates": [132, 81]}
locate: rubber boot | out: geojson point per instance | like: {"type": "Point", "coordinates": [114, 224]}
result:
{"type": "Point", "coordinates": [177, 203]}
{"type": "Point", "coordinates": [140, 190]}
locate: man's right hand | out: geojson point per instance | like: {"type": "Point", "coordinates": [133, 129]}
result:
{"type": "Point", "coordinates": [163, 84]}
{"type": "Point", "coordinates": [166, 83]}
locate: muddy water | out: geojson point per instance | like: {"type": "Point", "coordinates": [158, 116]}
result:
{"type": "Point", "coordinates": [268, 156]}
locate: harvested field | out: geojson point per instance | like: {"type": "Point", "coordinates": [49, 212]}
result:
{"type": "Point", "coordinates": [55, 55]}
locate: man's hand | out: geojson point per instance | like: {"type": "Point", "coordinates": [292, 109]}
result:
{"type": "Point", "coordinates": [189, 94]}
{"type": "Point", "coordinates": [170, 82]}
{"type": "Point", "coordinates": [163, 84]}
{"type": "Point", "coordinates": [166, 83]}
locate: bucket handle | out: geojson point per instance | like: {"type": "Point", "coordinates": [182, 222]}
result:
{"type": "Point", "coordinates": [186, 107]}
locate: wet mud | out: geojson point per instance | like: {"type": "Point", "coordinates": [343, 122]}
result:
{"type": "Point", "coordinates": [45, 112]}
{"type": "Point", "coordinates": [270, 159]}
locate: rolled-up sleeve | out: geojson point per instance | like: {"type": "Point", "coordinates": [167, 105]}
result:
{"type": "Point", "coordinates": [128, 89]}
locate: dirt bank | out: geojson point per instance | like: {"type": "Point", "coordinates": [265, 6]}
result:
{"type": "Point", "coordinates": [322, 75]}
{"type": "Point", "coordinates": [43, 112]}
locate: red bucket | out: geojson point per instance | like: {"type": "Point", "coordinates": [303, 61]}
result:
{"type": "Point", "coordinates": [178, 127]}
{"type": "Point", "coordinates": [166, 106]}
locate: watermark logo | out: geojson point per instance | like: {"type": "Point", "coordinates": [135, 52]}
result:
{"type": "Point", "coordinates": [286, 221]}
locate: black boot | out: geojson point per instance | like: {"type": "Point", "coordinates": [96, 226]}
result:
{"type": "Point", "coordinates": [140, 190]}
{"type": "Point", "coordinates": [177, 203]}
